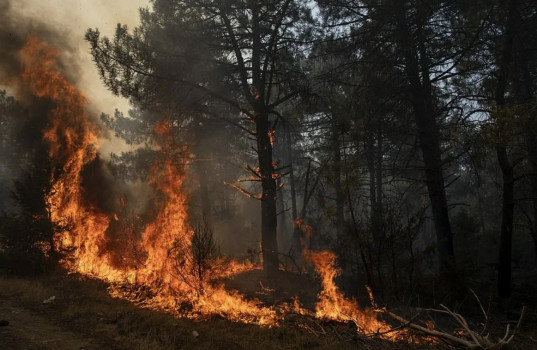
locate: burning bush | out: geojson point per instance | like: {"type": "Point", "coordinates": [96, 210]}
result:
{"type": "Point", "coordinates": [204, 249]}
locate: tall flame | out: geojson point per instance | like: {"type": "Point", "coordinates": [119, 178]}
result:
{"type": "Point", "coordinates": [333, 305]}
{"type": "Point", "coordinates": [72, 140]}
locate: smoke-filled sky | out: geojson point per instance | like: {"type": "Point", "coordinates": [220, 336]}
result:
{"type": "Point", "coordinates": [70, 19]}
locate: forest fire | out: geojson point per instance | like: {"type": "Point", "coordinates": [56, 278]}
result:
{"type": "Point", "coordinates": [161, 258]}
{"type": "Point", "coordinates": [386, 153]}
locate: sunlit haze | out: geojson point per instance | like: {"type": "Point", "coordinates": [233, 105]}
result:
{"type": "Point", "coordinates": [74, 17]}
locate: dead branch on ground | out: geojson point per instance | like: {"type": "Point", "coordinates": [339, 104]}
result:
{"type": "Point", "coordinates": [467, 338]}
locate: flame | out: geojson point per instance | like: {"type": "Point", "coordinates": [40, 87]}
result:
{"type": "Point", "coordinates": [332, 303]}
{"type": "Point", "coordinates": [334, 306]}
{"type": "Point", "coordinates": [271, 137]}
{"type": "Point", "coordinates": [72, 140]}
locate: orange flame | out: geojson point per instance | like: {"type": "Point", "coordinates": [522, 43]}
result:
{"type": "Point", "coordinates": [332, 303]}
{"type": "Point", "coordinates": [334, 306]}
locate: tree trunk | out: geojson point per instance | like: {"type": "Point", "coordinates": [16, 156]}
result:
{"type": "Point", "coordinates": [376, 239]}
{"type": "Point", "coordinates": [295, 244]}
{"type": "Point", "coordinates": [531, 142]}
{"type": "Point", "coordinates": [269, 224]}
{"type": "Point", "coordinates": [336, 169]}
{"type": "Point", "coordinates": [379, 217]}
{"type": "Point", "coordinates": [370, 155]}
{"type": "Point", "coordinates": [359, 239]}
{"type": "Point", "coordinates": [380, 155]}
{"type": "Point", "coordinates": [429, 137]}
{"type": "Point", "coordinates": [204, 191]}
{"type": "Point", "coordinates": [524, 93]}
{"type": "Point", "coordinates": [506, 235]}
{"type": "Point", "coordinates": [269, 219]}
{"type": "Point", "coordinates": [283, 233]}
{"type": "Point", "coordinates": [506, 230]}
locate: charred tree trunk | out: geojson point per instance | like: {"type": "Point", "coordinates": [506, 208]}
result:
{"type": "Point", "coordinates": [370, 155]}
{"type": "Point", "coordinates": [523, 84]}
{"type": "Point", "coordinates": [416, 69]}
{"type": "Point", "coordinates": [506, 233]}
{"type": "Point", "coordinates": [374, 154]}
{"type": "Point", "coordinates": [284, 234]}
{"type": "Point", "coordinates": [373, 219]}
{"type": "Point", "coordinates": [531, 138]}
{"type": "Point", "coordinates": [379, 217]}
{"type": "Point", "coordinates": [284, 237]}
{"type": "Point", "coordinates": [378, 174]}
{"type": "Point", "coordinates": [531, 142]}
{"type": "Point", "coordinates": [360, 240]}
{"type": "Point", "coordinates": [263, 132]}
{"type": "Point", "coordinates": [268, 195]}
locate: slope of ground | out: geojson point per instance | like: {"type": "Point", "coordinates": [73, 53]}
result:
{"type": "Point", "coordinates": [83, 316]}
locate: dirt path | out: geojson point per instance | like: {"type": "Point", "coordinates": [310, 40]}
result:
{"type": "Point", "coordinates": [28, 330]}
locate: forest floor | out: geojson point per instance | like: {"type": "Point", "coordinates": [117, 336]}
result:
{"type": "Point", "coordinates": [84, 316]}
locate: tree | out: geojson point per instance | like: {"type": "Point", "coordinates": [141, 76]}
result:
{"type": "Point", "coordinates": [424, 41]}
{"type": "Point", "coordinates": [238, 60]}
{"type": "Point", "coordinates": [26, 231]}
{"type": "Point", "coordinates": [512, 96]}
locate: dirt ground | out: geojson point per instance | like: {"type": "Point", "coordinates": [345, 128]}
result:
{"type": "Point", "coordinates": [28, 330]}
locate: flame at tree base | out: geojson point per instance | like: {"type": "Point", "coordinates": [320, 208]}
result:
{"type": "Point", "coordinates": [156, 263]}
{"type": "Point", "coordinates": [333, 305]}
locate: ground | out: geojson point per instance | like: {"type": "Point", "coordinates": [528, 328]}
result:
{"type": "Point", "coordinates": [84, 316]}
{"type": "Point", "coordinates": [30, 330]}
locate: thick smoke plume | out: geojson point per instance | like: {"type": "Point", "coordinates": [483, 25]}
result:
{"type": "Point", "coordinates": [14, 31]}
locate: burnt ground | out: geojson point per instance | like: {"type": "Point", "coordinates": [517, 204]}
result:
{"type": "Point", "coordinates": [84, 316]}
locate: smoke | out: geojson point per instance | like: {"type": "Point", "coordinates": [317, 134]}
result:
{"type": "Point", "coordinates": [23, 127]}
{"type": "Point", "coordinates": [24, 118]}
{"type": "Point", "coordinates": [63, 24]}
{"type": "Point", "coordinates": [14, 30]}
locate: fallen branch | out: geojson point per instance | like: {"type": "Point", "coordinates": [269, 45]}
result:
{"type": "Point", "coordinates": [473, 340]}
